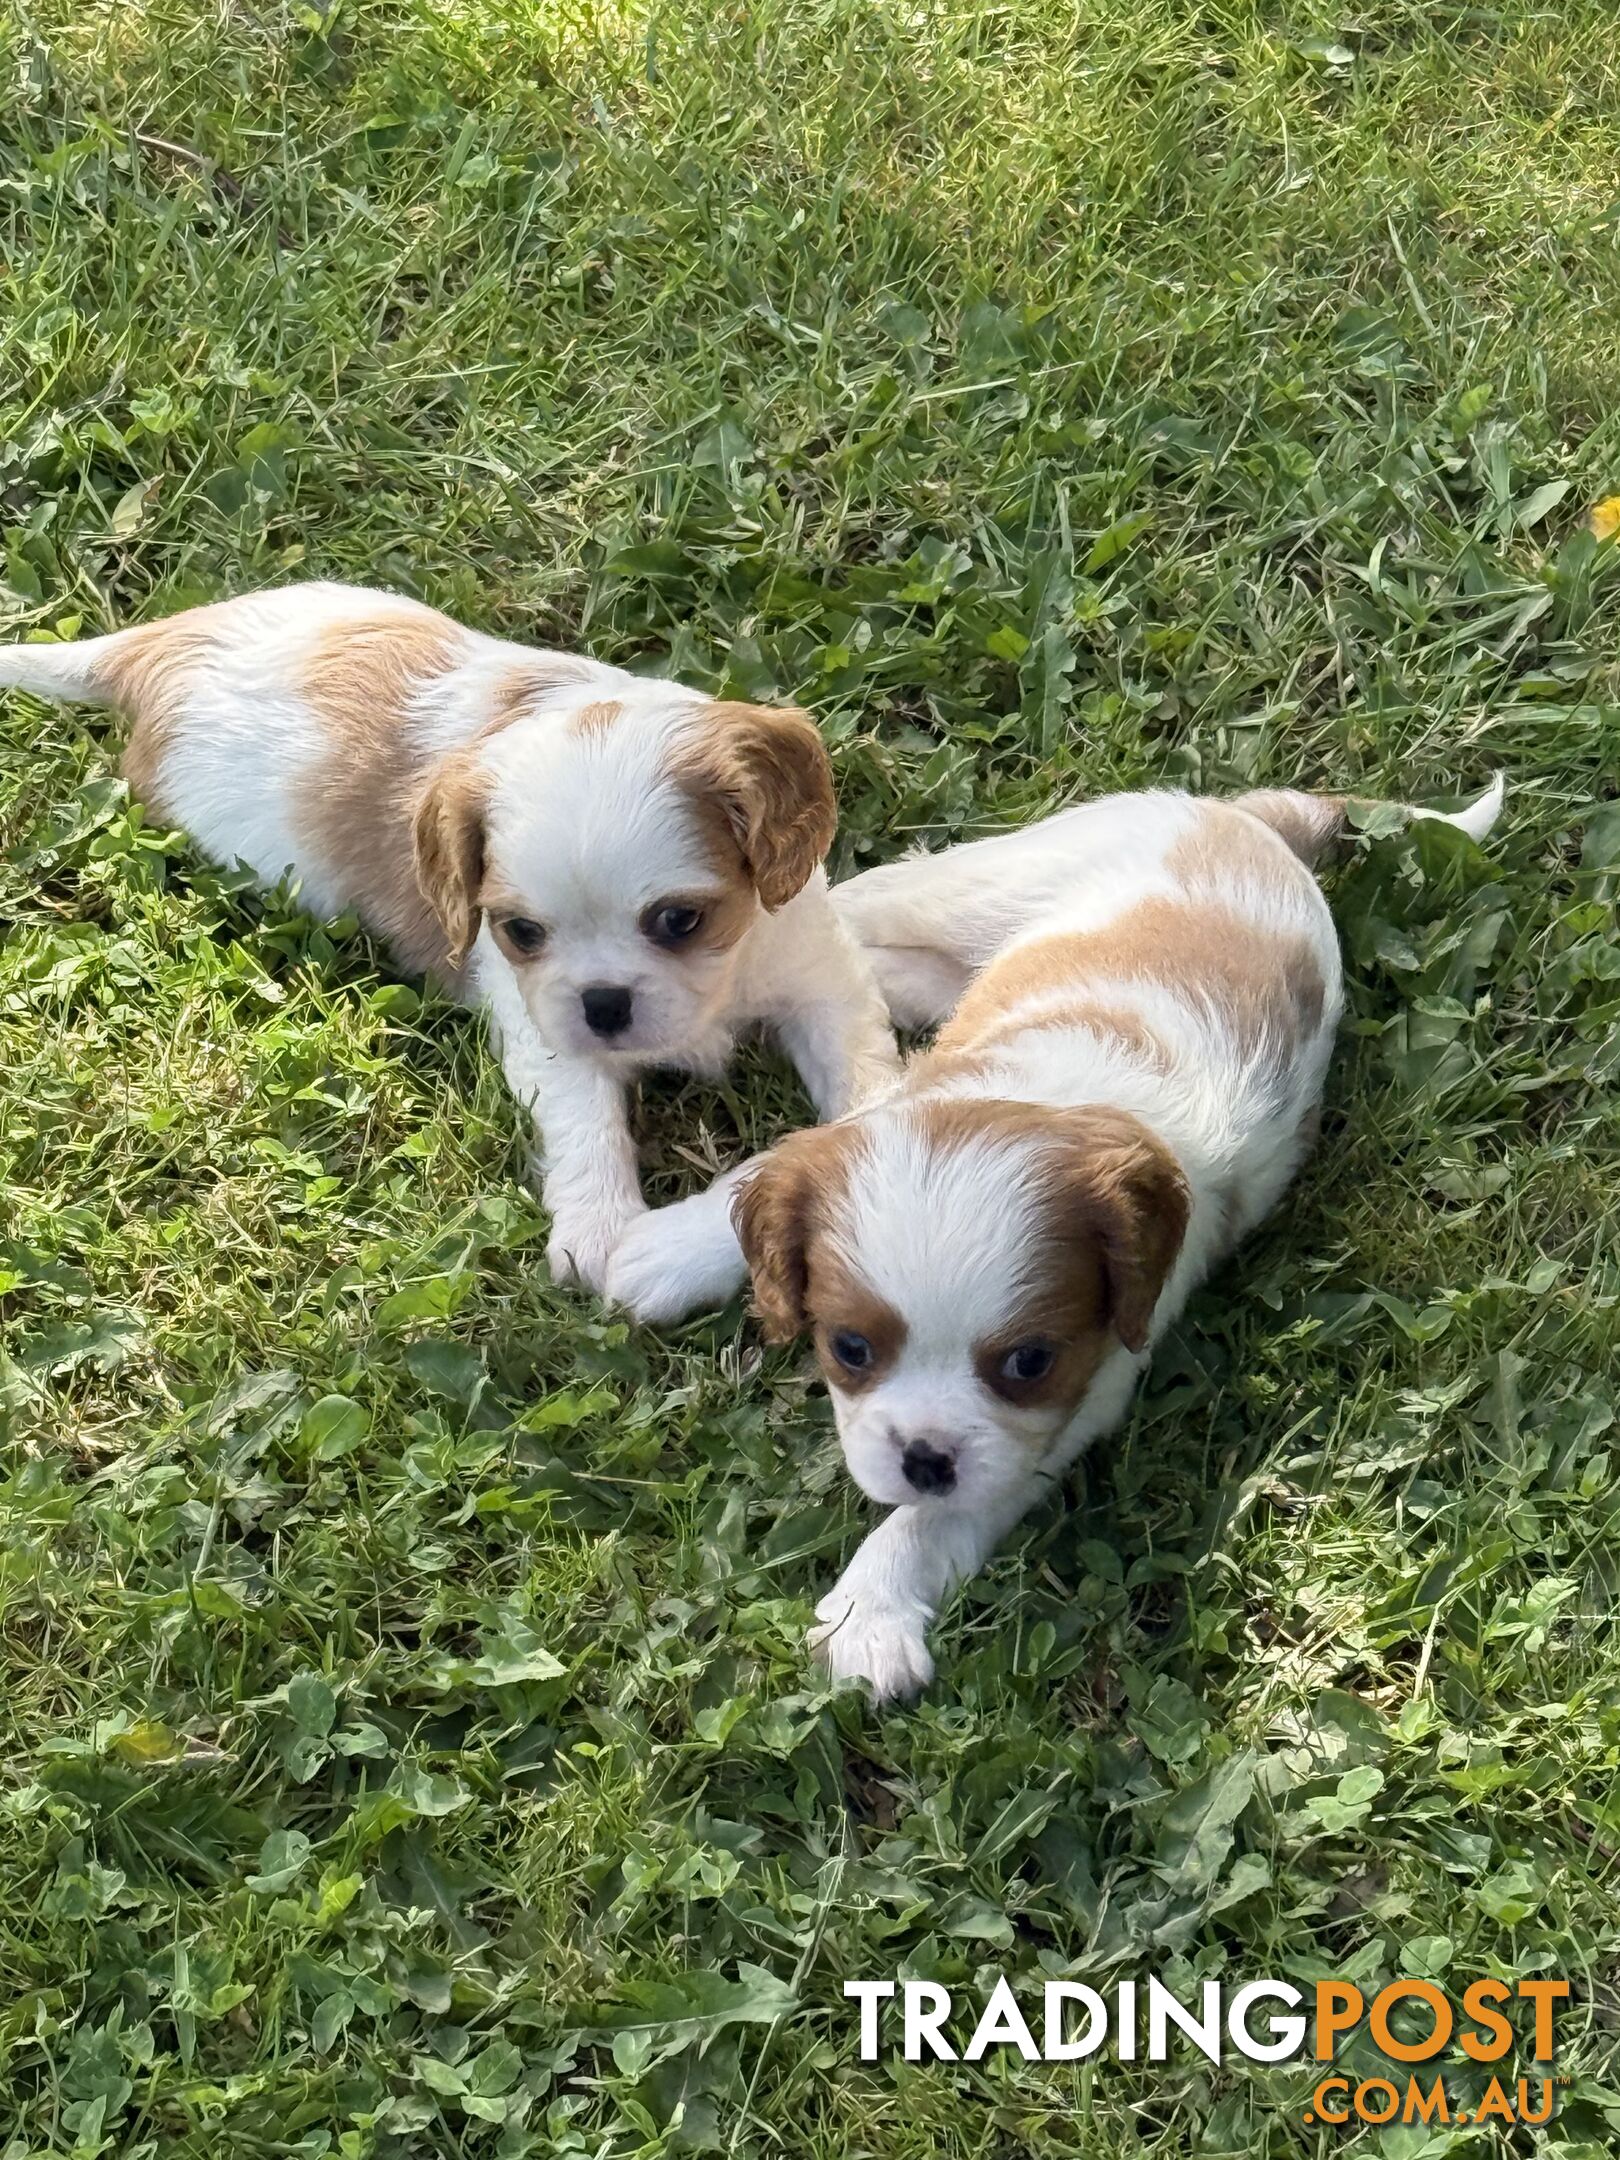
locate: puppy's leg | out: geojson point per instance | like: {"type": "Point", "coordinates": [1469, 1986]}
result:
{"type": "Point", "coordinates": [675, 1260]}
{"type": "Point", "coordinates": [925, 931]}
{"type": "Point", "coordinates": [844, 1049]}
{"type": "Point", "coordinates": [921, 987]}
{"type": "Point", "coordinates": [961, 901]}
{"type": "Point", "coordinates": [589, 1181]}
{"type": "Point", "coordinates": [829, 1013]}
{"type": "Point", "coordinates": [931, 922]}
{"type": "Point", "coordinates": [585, 1153]}
{"type": "Point", "coordinates": [813, 986]}
{"type": "Point", "coordinates": [875, 1618]}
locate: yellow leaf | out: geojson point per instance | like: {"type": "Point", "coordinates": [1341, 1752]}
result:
{"type": "Point", "coordinates": [148, 1742]}
{"type": "Point", "coordinates": [1605, 518]}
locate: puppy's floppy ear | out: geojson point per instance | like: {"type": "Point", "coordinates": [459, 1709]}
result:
{"type": "Point", "coordinates": [768, 770]}
{"type": "Point", "coordinates": [447, 833]}
{"type": "Point", "coordinates": [774, 1213]}
{"type": "Point", "coordinates": [1130, 1195]}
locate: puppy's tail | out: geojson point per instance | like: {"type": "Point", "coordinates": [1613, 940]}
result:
{"type": "Point", "coordinates": [1309, 822]}
{"type": "Point", "coordinates": [85, 673]}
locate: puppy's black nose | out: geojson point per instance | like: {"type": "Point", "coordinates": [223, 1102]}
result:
{"type": "Point", "coordinates": [926, 1469]}
{"type": "Point", "coordinates": [607, 1010]}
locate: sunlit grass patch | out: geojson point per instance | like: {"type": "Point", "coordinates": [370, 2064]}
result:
{"type": "Point", "coordinates": [404, 1658]}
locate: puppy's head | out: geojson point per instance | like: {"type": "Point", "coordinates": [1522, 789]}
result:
{"type": "Point", "coordinates": [964, 1267]}
{"type": "Point", "coordinates": [619, 848]}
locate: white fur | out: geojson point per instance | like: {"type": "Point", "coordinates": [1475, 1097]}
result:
{"type": "Point", "coordinates": [928, 924]}
{"type": "Point", "coordinates": [587, 829]}
{"type": "Point", "coordinates": [804, 976]}
{"type": "Point", "coordinates": [943, 1235]}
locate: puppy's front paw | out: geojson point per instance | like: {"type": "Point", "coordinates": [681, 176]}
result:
{"type": "Point", "coordinates": [883, 1643]}
{"type": "Point", "coordinates": [674, 1260]}
{"type": "Point", "coordinates": [643, 1275]}
{"type": "Point", "coordinates": [581, 1247]}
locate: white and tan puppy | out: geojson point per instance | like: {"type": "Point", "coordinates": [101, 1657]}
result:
{"type": "Point", "coordinates": [1145, 992]}
{"type": "Point", "coordinates": [625, 871]}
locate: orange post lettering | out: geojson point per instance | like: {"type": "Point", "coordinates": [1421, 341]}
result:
{"type": "Point", "coordinates": [1492, 2045]}
{"type": "Point", "coordinates": [1339, 2004]}
{"type": "Point", "coordinates": [1544, 1993]}
{"type": "Point", "coordinates": [1427, 2106]}
{"type": "Point", "coordinates": [1423, 1991]}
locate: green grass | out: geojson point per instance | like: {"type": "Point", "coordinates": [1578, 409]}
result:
{"type": "Point", "coordinates": [403, 1662]}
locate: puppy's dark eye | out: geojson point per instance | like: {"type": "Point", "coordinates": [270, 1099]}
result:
{"type": "Point", "coordinates": [852, 1350]}
{"type": "Point", "coordinates": [674, 923]}
{"type": "Point", "coordinates": [522, 935]}
{"type": "Point", "coordinates": [1028, 1362]}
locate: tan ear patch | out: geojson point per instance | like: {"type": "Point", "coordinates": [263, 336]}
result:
{"type": "Point", "coordinates": [1114, 1208]}
{"type": "Point", "coordinates": [447, 836]}
{"type": "Point", "coordinates": [768, 771]}
{"type": "Point", "coordinates": [1120, 1185]}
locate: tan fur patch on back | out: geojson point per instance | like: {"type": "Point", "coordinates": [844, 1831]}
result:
{"type": "Point", "coordinates": [944, 1063]}
{"type": "Point", "coordinates": [958, 1121]}
{"type": "Point", "coordinates": [1227, 848]}
{"type": "Point", "coordinates": [1204, 950]}
{"type": "Point", "coordinates": [530, 681]}
{"type": "Point", "coordinates": [360, 675]}
{"type": "Point", "coordinates": [596, 718]}
{"type": "Point", "coordinates": [145, 676]}
{"type": "Point", "coordinates": [356, 802]}
{"type": "Point", "coordinates": [1124, 1031]}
